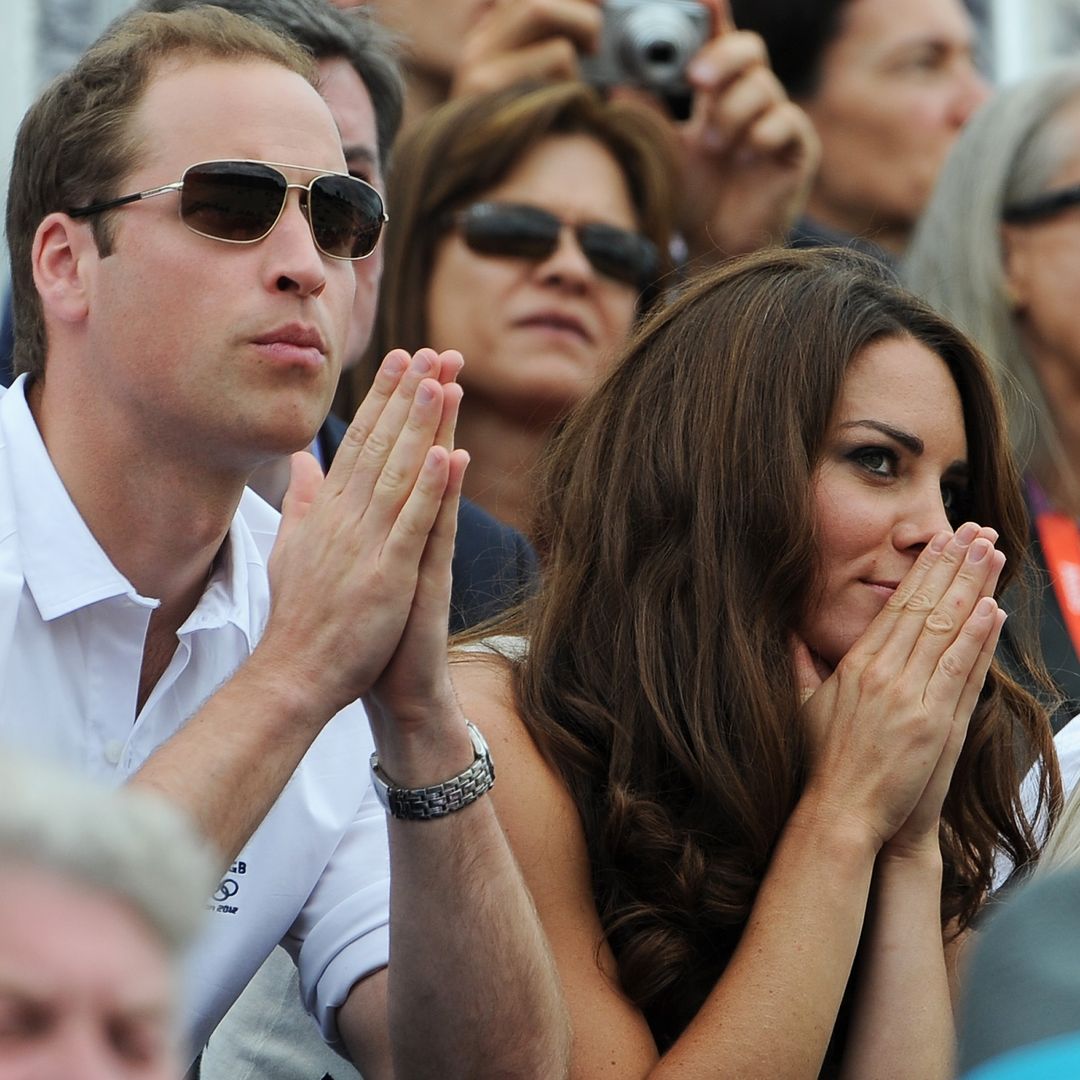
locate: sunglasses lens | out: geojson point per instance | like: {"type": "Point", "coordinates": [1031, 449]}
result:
{"type": "Point", "coordinates": [523, 232]}
{"type": "Point", "coordinates": [232, 200]}
{"type": "Point", "coordinates": [620, 254]}
{"type": "Point", "coordinates": [346, 216]}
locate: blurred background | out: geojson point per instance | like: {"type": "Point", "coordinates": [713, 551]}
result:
{"type": "Point", "coordinates": [39, 38]}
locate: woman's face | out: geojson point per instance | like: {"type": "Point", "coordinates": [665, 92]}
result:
{"type": "Point", "coordinates": [893, 462]}
{"type": "Point", "coordinates": [537, 333]}
{"type": "Point", "coordinates": [1042, 268]}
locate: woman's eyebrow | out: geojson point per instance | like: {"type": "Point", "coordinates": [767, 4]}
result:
{"type": "Point", "coordinates": [905, 438]}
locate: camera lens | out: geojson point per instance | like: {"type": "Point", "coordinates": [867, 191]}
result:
{"type": "Point", "coordinates": [657, 43]}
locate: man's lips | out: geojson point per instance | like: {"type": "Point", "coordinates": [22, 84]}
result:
{"type": "Point", "coordinates": [559, 321]}
{"type": "Point", "coordinates": [293, 343]}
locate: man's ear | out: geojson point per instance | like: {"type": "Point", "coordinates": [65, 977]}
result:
{"type": "Point", "coordinates": [63, 255]}
{"type": "Point", "coordinates": [1016, 264]}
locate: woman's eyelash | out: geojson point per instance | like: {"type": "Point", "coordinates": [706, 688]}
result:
{"type": "Point", "coordinates": [879, 460]}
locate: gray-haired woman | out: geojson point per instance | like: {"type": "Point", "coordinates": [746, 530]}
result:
{"type": "Point", "coordinates": [998, 252]}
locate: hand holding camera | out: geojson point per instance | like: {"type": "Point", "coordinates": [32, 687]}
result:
{"type": "Point", "coordinates": [749, 153]}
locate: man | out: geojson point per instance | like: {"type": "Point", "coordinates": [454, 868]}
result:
{"type": "Point", "coordinates": [163, 365]}
{"type": "Point", "coordinates": [888, 87]}
{"type": "Point", "coordinates": [100, 895]}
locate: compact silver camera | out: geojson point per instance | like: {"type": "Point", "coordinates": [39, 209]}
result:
{"type": "Point", "coordinates": [648, 43]}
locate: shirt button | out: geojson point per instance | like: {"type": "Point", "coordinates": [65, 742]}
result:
{"type": "Point", "coordinates": [114, 748]}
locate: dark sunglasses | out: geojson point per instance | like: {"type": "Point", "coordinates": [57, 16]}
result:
{"type": "Point", "coordinates": [519, 231]}
{"type": "Point", "coordinates": [1042, 206]}
{"type": "Point", "coordinates": [240, 202]}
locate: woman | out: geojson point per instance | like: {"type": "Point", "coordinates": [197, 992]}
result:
{"type": "Point", "coordinates": [757, 757]}
{"type": "Point", "coordinates": [527, 228]}
{"type": "Point", "coordinates": [997, 252]}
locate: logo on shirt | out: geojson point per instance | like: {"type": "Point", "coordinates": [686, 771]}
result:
{"type": "Point", "coordinates": [228, 890]}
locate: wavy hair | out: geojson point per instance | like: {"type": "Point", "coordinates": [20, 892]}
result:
{"type": "Point", "coordinates": [677, 519]}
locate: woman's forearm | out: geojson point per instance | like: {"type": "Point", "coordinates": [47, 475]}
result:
{"type": "Point", "coordinates": [902, 1021]}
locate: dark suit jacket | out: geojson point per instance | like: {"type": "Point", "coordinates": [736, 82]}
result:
{"type": "Point", "coordinates": [494, 565]}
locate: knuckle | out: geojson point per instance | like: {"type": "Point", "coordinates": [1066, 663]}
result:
{"type": "Point", "coordinates": [375, 446]}
{"type": "Point", "coordinates": [919, 602]}
{"type": "Point", "coordinates": [951, 665]}
{"type": "Point", "coordinates": [940, 622]}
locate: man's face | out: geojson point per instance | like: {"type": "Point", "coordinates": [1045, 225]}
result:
{"type": "Point", "coordinates": [896, 86]}
{"type": "Point", "coordinates": [350, 104]}
{"type": "Point", "coordinates": [85, 986]}
{"type": "Point", "coordinates": [205, 346]}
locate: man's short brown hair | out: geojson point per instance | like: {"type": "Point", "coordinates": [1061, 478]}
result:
{"type": "Point", "coordinates": [77, 142]}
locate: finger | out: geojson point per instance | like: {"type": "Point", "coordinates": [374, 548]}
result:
{"type": "Point", "coordinates": [728, 114]}
{"type": "Point", "coordinates": [555, 59]}
{"type": "Point", "coordinates": [960, 663]}
{"type": "Point", "coordinates": [527, 22]}
{"type": "Point", "coordinates": [452, 394]}
{"type": "Point", "coordinates": [431, 602]}
{"type": "Point", "coordinates": [945, 622]}
{"type": "Point", "coordinates": [879, 630]}
{"type": "Point", "coordinates": [370, 448]}
{"type": "Point", "coordinates": [450, 364]}
{"type": "Point", "coordinates": [387, 379]}
{"type": "Point", "coordinates": [305, 479]}
{"type": "Point", "coordinates": [406, 460]}
{"type": "Point", "coordinates": [807, 677]}
{"type": "Point", "coordinates": [723, 20]}
{"type": "Point", "coordinates": [723, 59]}
{"type": "Point", "coordinates": [783, 132]}
{"type": "Point", "coordinates": [904, 615]}
{"type": "Point", "coordinates": [969, 698]}
{"type": "Point", "coordinates": [408, 535]}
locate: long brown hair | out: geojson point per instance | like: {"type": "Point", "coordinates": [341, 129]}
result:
{"type": "Point", "coordinates": [462, 149]}
{"type": "Point", "coordinates": [677, 518]}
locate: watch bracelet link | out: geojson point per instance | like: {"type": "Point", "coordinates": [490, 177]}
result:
{"type": "Point", "coordinates": [437, 800]}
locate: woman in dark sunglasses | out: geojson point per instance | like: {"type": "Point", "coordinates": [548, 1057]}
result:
{"type": "Point", "coordinates": [999, 251]}
{"type": "Point", "coordinates": [529, 228]}
{"type": "Point", "coordinates": [756, 760]}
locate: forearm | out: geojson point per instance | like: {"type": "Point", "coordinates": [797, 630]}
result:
{"type": "Point", "coordinates": [226, 767]}
{"type": "Point", "coordinates": [902, 1022]}
{"type": "Point", "coordinates": [773, 1011]}
{"type": "Point", "coordinates": [473, 988]}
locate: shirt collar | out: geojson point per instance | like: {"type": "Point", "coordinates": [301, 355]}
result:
{"type": "Point", "coordinates": [64, 566]}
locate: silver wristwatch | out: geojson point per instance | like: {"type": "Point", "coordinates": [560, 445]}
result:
{"type": "Point", "coordinates": [438, 799]}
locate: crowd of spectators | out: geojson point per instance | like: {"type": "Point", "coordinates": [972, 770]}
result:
{"type": "Point", "coordinates": [663, 404]}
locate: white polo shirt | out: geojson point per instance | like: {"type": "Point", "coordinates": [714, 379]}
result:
{"type": "Point", "coordinates": [315, 876]}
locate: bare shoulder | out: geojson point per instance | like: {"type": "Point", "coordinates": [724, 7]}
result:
{"type": "Point", "coordinates": [544, 830]}
{"type": "Point", "coordinates": [529, 796]}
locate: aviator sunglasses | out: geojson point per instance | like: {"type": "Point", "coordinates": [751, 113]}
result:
{"type": "Point", "coordinates": [519, 231]}
{"type": "Point", "coordinates": [240, 202]}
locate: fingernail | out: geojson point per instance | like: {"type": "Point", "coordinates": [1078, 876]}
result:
{"type": "Point", "coordinates": [425, 395]}
{"type": "Point", "coordinates": [395, 364]}
{"type": "Point", "coordinates": [979, 550]}
{"type": "Point", "coordinates": [421, 363]}
{"type": "Point", "coordinates": [940, 542]}
{"type": "Point", "coordinates": [966, 533]}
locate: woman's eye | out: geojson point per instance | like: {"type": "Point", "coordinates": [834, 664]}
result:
{"type": "Point", "coordinates": [876, 460]}
{"type": "Point", "coordinates": [956, 500]}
